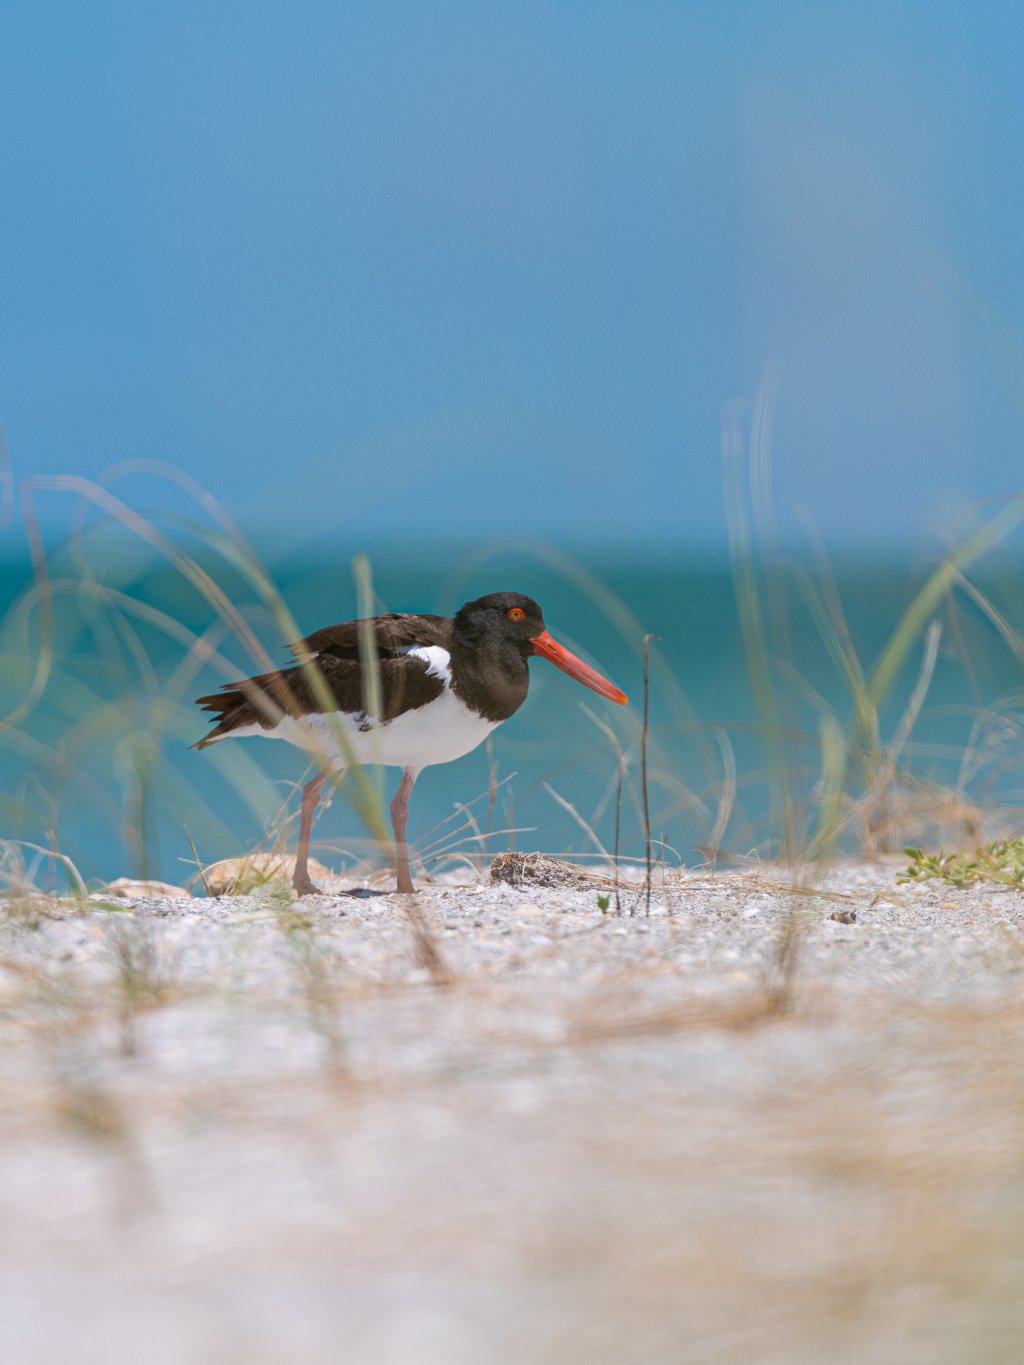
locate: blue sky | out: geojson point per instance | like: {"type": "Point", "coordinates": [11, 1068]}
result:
{"type": "Point", "coordinates": [459, 269]}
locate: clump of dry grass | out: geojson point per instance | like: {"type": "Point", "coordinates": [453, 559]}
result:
{"type": "Point", "coordinates": [537, 869]}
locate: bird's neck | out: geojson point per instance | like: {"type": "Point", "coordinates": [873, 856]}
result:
{"type": "Point", "coordinates": [490, 675]}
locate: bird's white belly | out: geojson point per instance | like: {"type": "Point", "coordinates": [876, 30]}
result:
{"type": "Point", "coordinates": [442, 730]}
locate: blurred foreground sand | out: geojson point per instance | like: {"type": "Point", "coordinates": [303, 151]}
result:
{"type": "Point", "coordinates": [734, 1129]}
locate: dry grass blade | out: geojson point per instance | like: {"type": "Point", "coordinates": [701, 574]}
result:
{"type": "Point", "coordinates": [201, 870]}
{"type": "Point", "coordinates": [929, 597]}
{"type": "Point", "coordinates": [315, 968]}
{"type": "Point", "coordinates": [782, 973]}
{"type": "Point", "coordinates": [727, 795]}
{"type": "Point", "coordinates": [834, 760]}
{"type": "Point", "coordinates": [924, 679]}
{"type": "Point", "coordinates": [429, 953]}
{"type": "Point", "coordinates": [823, 601]}
{"type": "Point", "coordinates": [369, 661]}
{"type": "Point", "coordinates": [571, 810]}
{"type": "Point", "coordinates": [145, 978]}
{"type": "Point", "coordinates": [12, 871]}
{"type": "Point", "coordinates": [753, 617]}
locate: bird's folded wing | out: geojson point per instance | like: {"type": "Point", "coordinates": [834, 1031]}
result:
{"type": "Point", "coordinates": [406, 683]}
{"type": "Point", "coordinates": [393, 634]}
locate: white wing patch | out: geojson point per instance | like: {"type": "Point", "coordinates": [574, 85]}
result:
{"type": "Point", "coordinates": [438, 659]}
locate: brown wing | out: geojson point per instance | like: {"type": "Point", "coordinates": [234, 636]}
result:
{"type": "Point", "coordinates": [394, 633]}
{"type": "Point", "coordinates": [334, 651]}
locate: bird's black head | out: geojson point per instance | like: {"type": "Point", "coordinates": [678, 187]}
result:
{"type": "Point", "coordinates": [510, 617]}
{"type": "Point", "coordinates": [499, 633]}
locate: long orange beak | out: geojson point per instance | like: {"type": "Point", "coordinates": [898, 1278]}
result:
{"type": "Point", "coordinates": [561, 658]}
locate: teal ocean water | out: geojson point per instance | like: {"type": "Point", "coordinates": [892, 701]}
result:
{"type": "Point", "coordinates": [96, 759]}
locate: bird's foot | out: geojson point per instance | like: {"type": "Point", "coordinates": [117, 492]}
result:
{"type": "Point", "coordinates": [302, 886]}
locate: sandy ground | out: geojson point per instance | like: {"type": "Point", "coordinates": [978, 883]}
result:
{"type": "Point", "coordinates": [521, 1130]}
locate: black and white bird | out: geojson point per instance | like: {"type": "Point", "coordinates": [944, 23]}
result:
{"type": "Point", "coordinates": [445, 684]}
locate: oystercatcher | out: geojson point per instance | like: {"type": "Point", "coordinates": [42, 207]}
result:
{"type": "Point", "coordinates": [445, 684]}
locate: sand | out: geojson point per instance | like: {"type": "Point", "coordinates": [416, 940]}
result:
{"type": "Point", "coordinates": [517, 1128]}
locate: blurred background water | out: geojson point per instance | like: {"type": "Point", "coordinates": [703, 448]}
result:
{"type": "Point", "coordinates": [101, 766]}
{"type": "Point", "coordinates": [425, 282]}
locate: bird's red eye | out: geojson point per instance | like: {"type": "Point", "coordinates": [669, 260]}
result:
{"type": "Point", "coordinates": [516, 613]}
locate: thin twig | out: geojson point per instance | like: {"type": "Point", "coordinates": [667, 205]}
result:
{"type": "Point", "coordinates": [643, 772]}
{"type": "Point", "coordinates": [618, 827]}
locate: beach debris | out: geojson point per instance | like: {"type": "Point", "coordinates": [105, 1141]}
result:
{"type": "Point", "coordinates": [240, 876]}
{"type": "Point", "coordinates": [132, 888]}
{"type": "Point", "coordinates": [537, 869]}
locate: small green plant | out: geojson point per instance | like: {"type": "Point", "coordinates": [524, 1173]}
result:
{"type": "Point", "coordinates": [1001, 861]}
{"type": "Point", "coordinates": [603, 902]}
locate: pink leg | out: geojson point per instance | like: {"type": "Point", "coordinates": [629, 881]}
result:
{"type": "Point", "coordinates": [399, 815]}
{"type": "Point", "coordinates": [301, 884]}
